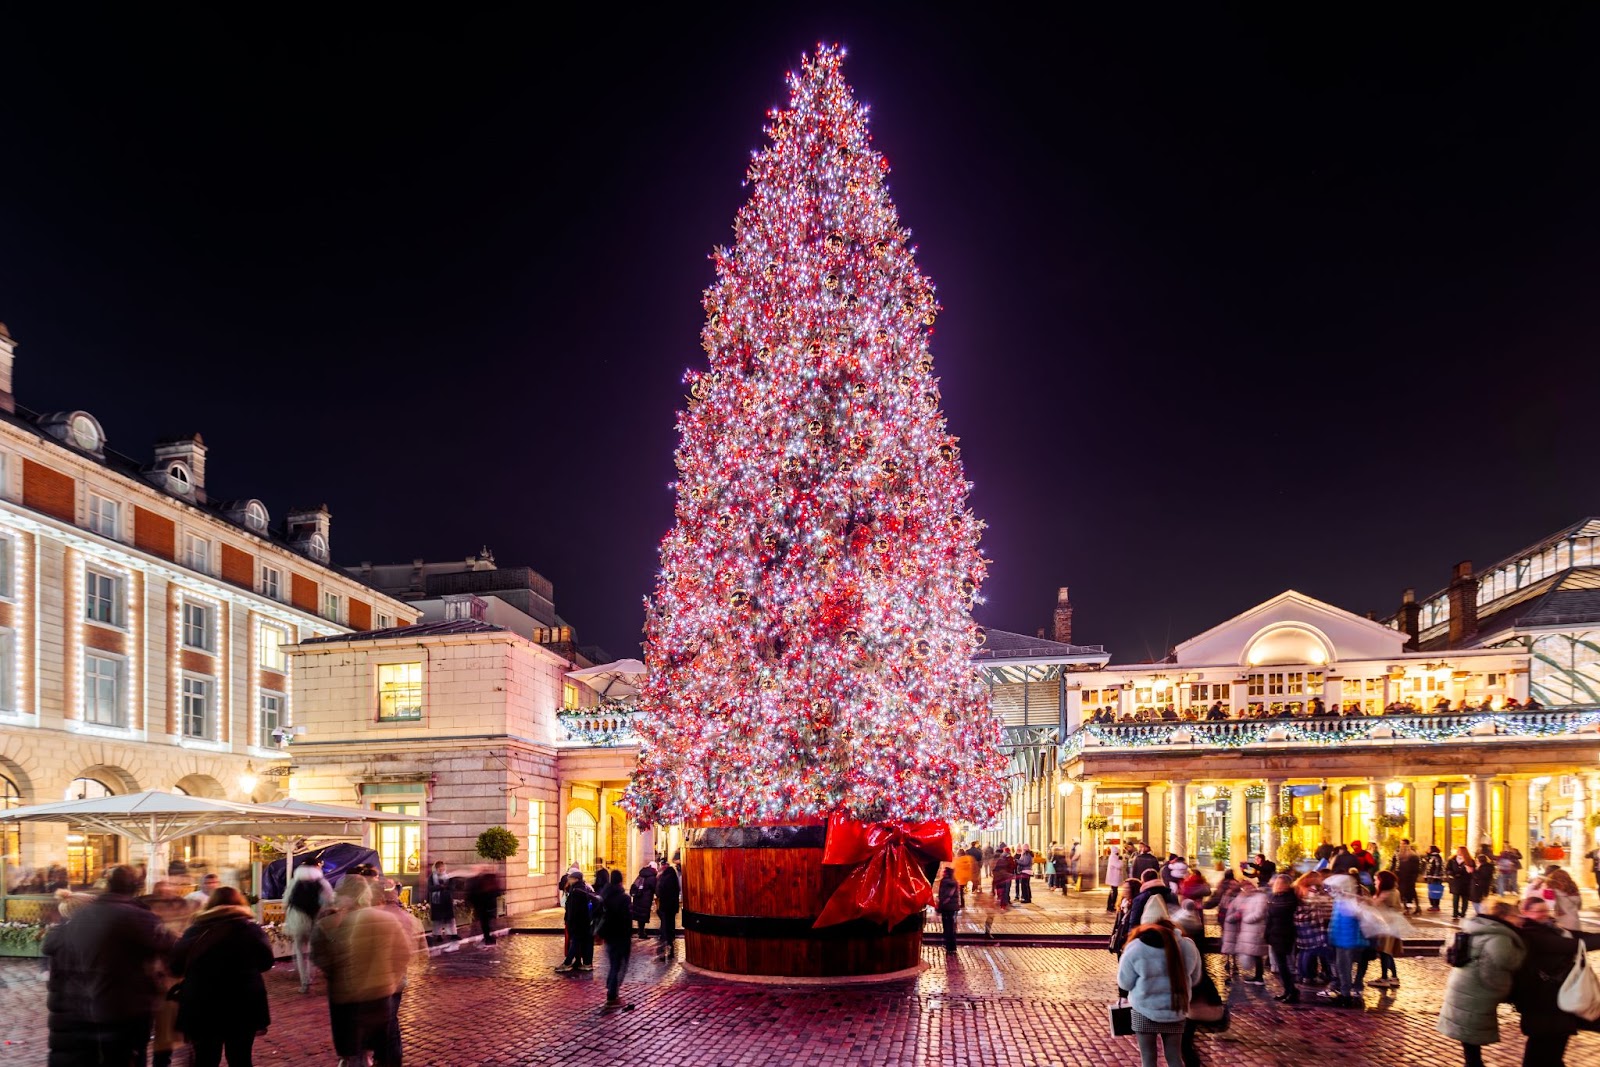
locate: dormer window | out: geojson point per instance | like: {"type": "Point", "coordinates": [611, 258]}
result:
{"type": "Point", "coordinates": [255, 516]}
{"type": "Point", "coordinates": [178, 480]}
{"type": "Point", "coordinates": [85, 433]}
{"type": "Point", "coordinates": [317, 548]}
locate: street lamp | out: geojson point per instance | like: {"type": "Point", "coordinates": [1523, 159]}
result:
{"type": "Point", "coordinates": [248, 780]}
{"type": "Point", "coordinates": [1064, 788]}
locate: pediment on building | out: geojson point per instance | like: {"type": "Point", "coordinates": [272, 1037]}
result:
{"type": "Point", "coordinates": [1291, 628]}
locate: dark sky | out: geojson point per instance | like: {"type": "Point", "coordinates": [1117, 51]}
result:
{"type": "Point", "coordinates": [1231, 305]}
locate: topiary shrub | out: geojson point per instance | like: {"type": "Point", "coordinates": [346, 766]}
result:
{"type": "Point", "coordinates": [497, 843]}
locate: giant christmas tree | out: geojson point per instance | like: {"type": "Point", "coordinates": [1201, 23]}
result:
{"type": "Point", "coordinates": [810, 637]}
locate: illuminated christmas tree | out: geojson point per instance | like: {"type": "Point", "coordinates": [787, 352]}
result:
{"type": "Point", "coordinates": [810, 637]}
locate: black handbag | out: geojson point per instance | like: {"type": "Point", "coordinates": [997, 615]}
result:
{"type": "Point", "coordinates": [1121, 1018]}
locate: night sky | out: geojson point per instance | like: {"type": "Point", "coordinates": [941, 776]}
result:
{"type": "Point", "coordinates": [1230, 306]}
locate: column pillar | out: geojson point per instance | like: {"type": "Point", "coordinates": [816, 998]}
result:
{"type": "Point", "coordinates": [1270, 833]}
{"type": "Point", "coordinates": [1380, 801]}
{"type": "Point", "coordinates": [1090, 842]}
{"type": "Point", "coordinates": [1580, 820]}
{"type": "Point", "coordinates": [1422, 817]}
{"type": "Point", "coordinates": [1238, 824]}
{"type": "Point", "coordinates": [1478, 812]}
{"type": "Point", "coordinates": [1591, 838]}
{"type": "Point", "coordinates": [1156, 830]}
{"type": "Point", "coordinates": [1180, 818]}
{"type": "Point", "coordinates": [1239, 692]}
{"type": "Point", "coordinates": [1333, 814]}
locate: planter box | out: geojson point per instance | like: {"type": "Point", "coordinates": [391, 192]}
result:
{"type": "Point", "coordinates": [21, 951]}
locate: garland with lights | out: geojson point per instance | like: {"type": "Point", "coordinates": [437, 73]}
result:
{"type": "Point", "coordinates": [810, 635]}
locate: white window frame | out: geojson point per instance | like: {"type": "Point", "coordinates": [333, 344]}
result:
{"type": "Point", "coordinates": [207, 691]}
{"type": "Point", "coordinates": [281, 637]}
{"type": "Point", "coordinates": [255, 517]}
{"type": "Point", "coordinates": [92, 577]}
{"type": "Point", "coordinates": [105, 516]}
{"type": "Point", "coordinates": [8, 671]}
{"type": "Point", "coordinates": [197, 553]}
{"type": "Point", "coordinates": [421, 691]}
{"type": "Point", "coordinates": [208, 635]}
{"type": "Point", "coordinates": [119, 680]}
{"type": "Point", "coordinates": [264, 731]}
{"type": "Point", "coordinates": [272, 582]}
{"type": "Point", "coordinates": [332, 607]}
{"type": "Point", "coordinates": [8, 563]}
{"type": "Point", "coordinates": [383, 622]}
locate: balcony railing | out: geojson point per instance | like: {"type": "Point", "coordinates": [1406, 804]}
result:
{"type": "Point", "coordinates": [601, 727]}
{"type": "Point", "coordinates": [1473, 727]}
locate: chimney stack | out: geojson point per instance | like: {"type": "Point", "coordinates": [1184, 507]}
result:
{"type": "Point", "coordinates": [1463, 596]}
{"type": "Point", "coordinates": [8, 348]}
{"type": "Point", "coordinates": [1411, 619]}
{"type": "Point", "coordinates": [308, 531]}
{"type": "Point", "coordinates": [1063, 630]}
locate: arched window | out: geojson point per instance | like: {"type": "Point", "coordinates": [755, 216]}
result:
{"type": "Point", "coordinates": [318, 548]}
{"type": "Point", "coordinates": [255, 516]}
{"type": "Point", "coordinates": [178, 479]}
{"type": "Point", "coordinates": [88, 789]}
{"type": "Point", "coordinates": [10, 833]}
{"type": "Point", "coordinates": [85, 432]}
{"type": "Point", "coordinates": [581, 833]}
{"type": "Point", "coordinates": [89, 853]}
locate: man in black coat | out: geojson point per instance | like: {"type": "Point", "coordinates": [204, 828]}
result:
{"type": "Point", "coordinates": [1538, 981]}
{"type": "Point", "coordinates": [109, 950]}
{"type": "Point", "coordinates": [1144, 861]}
{"type": "Point", "coordinates": [1280, 933]}
{"type": "Point", "coordinates": [579, 923]}
{"type": "Point", "coordinates": [669, 895]}
{"type": "Point", "coordinates": [1261, 869]}
{"type": "Point", "coordinates": [617, 930]}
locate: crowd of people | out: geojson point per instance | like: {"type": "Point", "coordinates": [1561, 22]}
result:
{"type": "Point", "coordinates": [132, 974]}
{"type": "Point", "coordinates": [1315, 708]}
{"type": "Point", "coordinates": [607, 911]}
{"type": "Point", "coordinates": [1323, 929]}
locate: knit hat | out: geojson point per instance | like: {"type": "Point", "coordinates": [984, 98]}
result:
{"type": "Point", "coordinates": [1339, 883]}
{"type": "Point", "coordinates": [1155, 910]}
{"type": "Point", "coordinates": [575, 869]}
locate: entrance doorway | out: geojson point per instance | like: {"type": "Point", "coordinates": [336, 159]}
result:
{"type": "Point", "coordinates": [581, 833]}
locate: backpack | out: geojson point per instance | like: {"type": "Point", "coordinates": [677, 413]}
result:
{"type": "Point", "coordinates": [1459, 952]}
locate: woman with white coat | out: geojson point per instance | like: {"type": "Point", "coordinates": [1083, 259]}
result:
{"type": "Point", "coordinates": [1159, 968]}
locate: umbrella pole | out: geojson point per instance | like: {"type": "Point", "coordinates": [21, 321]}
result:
{"type": "Point", "coordinates": [150, 864]}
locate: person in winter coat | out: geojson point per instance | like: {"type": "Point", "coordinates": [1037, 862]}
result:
{"type": "Point", "coordinates": [1075, 861]}
{"type": "Point", "coordinates": [1261, 869]}
{"type": "Point", "coordinates": [108, 952]}
{"type": "Point", "coordinates": [1144, 861]}
{"type": "Point", "coordinates": [947, 904]}
{"type": "Point", "coordinates": [1344, 934]}
{"type": "Point", "coordinates": [1280, 934]}
{"type": "Point", "coordinates": [1244, 934]}
{"type": "Point", "coordinates": [1365, 863]}
{"type": "Point", "coordinates": [364, 951]}
{"type": "Point", "coordinates": [1388, 946]}
{"type": "Point", "coordinates": [617, 931]}
{"type": "Point", "coordinates": [1024, 875]}
{"type": "Point", "coordinates": [1194, 886]}
{"type": "Point", "coordinates": [1116, 874]}
{"type": "Point", "coordinates": [1558, 890]}
{"type": "Point", "coordinates": [307, 894]}
{"type": "Point", "coordinates": [1458, 872]}
{"type": "Point", "coordinates": [1550, 955]}
{"type": "Point", "coordinates": [581, 901]}
{"type": "Point", "coordinates": [668, 897]}
{"type": "Point", "coordinates": [483, 895]}
{"type": "Point", "coordinates": [642, 894]}
{"type": "Point", "coordinates": [1311, 919]}
{"type": "Point", "coordinates": [1126, 918]}
{"type": "Point", "coordinates": [222, 1002]}
{"type": "Point", "coordinates": [1002, 873]}
{"type": "Point", "coordinates": [1433, 875]}
{"type": "Point", "coordinates": [1473, 992]}
{"type": "Point", "coordinates": [1482, 880]}
{"type": "Point", "coordinates": [980, 858]}
{"type": "Point", "coordinates": [71, 1042]}
{"type": "Point", "coordinates": [1158, 969]}
{"type": "Point", "coordinates": [1407, 867]}
{"type": "Point", "coordinates": [441, 902]}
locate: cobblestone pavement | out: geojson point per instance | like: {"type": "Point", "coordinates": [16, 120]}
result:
{"type": "Point", "coordinates": [1021, 1007]}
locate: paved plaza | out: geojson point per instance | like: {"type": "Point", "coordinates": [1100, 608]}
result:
{"type": "Point", "coordinates": [1021, 1007]}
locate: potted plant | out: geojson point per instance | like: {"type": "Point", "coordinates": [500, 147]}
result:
{"type": "Point", "coordinates": [1219, 854]}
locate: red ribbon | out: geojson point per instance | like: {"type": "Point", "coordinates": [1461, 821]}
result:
{"type": "Point", "coordinates": [887, 884]}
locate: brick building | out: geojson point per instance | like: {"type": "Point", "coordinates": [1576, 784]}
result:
{"type": "Point", "coordinates": [142, 625]}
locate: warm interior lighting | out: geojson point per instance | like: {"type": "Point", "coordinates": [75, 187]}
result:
{"type": "Point", "coordinates": [1394, 789]}
{"type": "Point", "coordinates": [248, 780]}
{"type": "Point", "coordinates": [1208, 791]}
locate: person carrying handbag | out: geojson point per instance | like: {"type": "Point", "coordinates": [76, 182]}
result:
{"type": "Point", "coordinates": [1552, 954]}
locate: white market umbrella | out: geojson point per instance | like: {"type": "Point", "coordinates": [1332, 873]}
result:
{"type": "Point", "coordinates": [614, 681]}
{"type": "Point", "coordinates": [154, 818]}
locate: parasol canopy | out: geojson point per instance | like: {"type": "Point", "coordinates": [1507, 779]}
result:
{"type": "Point", "coordinates": [617, 680]}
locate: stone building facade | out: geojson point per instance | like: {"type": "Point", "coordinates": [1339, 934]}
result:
{"type": "Point", "coordinates": [142, 624]}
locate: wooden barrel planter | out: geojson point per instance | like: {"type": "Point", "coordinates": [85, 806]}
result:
{"type": "Point", "coordinates": [750, 896]}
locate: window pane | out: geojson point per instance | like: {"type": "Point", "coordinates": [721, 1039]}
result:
{"type": "Point", "coordinates": [400, 691]}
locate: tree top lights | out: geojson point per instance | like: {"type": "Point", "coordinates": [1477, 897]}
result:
{"type": "Point", "coordinates": [810, 637]}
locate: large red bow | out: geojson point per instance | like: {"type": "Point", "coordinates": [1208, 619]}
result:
{"type": "Point", "coordinates": [887, 884]}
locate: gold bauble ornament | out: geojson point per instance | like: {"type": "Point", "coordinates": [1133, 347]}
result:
{"type": "Point", "coordinates": [725, 521]}
{"type": "Point", "coordinates": [925, 364]}
{"type": "Point", "coordinates": [835, 242]}
{"type": "Point", "coordinates": [830, 281]}
{"type": "Point", "coordinates": [814, 427]}
{"type": "Point", "coordinates": [770, 271]}
{"type": "Point", "coordinates": [890, 466]}
{"type": "Point", "coordinates": [763, 354]}
{"type": "Point", "coordinates": [850, 636]}
{"type": "Point", "coordinates": [922, 649]}
{"type": "Point", "coordinates": [881, 544]}
{"type": "Point", "coordinates": [929, 317]}
{"type": "Point", "coordinates": [791, 464]}
{"type": "Point", "coordinates": [948, 453]}
{"type": "Point", "coordinates": [738, 598]}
